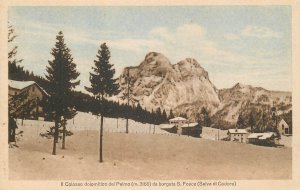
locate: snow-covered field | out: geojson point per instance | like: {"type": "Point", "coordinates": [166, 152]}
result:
{"type": "Point", "coordinates": [87, 121]}
{"type": "Point", "coordinates": [139, 155]}
{"type": "Point", "coordinates": [212, 133]}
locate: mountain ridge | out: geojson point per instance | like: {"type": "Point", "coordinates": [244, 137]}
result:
{"type": "Point", "coordinates": [185, 88]}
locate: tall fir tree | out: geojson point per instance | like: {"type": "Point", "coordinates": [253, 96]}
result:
{"type": "Point", "coordinates": [251, 122]}
{"type": "Point", "coordinates": [14, 69]}
{"type": "Point", "coordinates": [171, 115]}
{"type": "Point", "coordinates": [61, 76]}
{"type": "Point", "coordinates": [102, 84]}
{"type": "Point", "coordinates": [240, 121]}
{"type": "Point", "coordinates": [128, 93]}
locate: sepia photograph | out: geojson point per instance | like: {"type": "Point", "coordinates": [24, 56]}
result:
{"type": "Point", "coordinates": [149, 96]}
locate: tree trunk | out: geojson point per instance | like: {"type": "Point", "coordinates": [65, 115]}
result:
{"type": "Point", "coordinates": [101, 138]}
{"type": "Point", "coordinates": [127, 125]}
{"type": "Point", "coordinates": [55, 137]}
{"type": "Point", "coordinates": [127, 100]}
{"type": "Point", "coordinates": [64, 135]}
{"type": "Point", "coordinates": [101, 131]}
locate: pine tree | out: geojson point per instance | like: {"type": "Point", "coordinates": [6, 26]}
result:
{"type": "Point", "coordinates": [164, 116]}
{"type": "Point", "coordinates": [61, 76]}
{"type": "Point", "coordinates": [240, 121]}
{"type": "Point", "coordinates": [171, 115]}
{"type": "Point", "coordinates": [102, 83]}
{"type": "Point", "coordinates": [251, 121]}
{"type": "Point", "coordinates": [128, 93]}
{"type": "Point", "coordinates": [14, 69]}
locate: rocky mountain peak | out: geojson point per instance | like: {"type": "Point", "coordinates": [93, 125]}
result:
{"type": "Point", "coordinates": [190, 67]}
{"type": "Point", "coordinates": [155, 64]}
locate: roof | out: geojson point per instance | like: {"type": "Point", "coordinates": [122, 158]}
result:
{"type": "Point", "coordinates": [237, 131]}
{"type": "Point", "coordinates": [261, 135]}
{"type": "Point", "coordinates": [166, 126]}
{"type": "Point", "coordinates": [178, 119]}
{"type": "Point", "coordinates": [284, 122]}
{"type": "Point", "coordinates": [24, 84]}
{"type": "Point", "coordinates": [20, 84]}
{"type": "Point", "coordinates": [190, 125]}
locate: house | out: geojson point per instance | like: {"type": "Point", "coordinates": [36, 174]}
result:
{"type": "Point", "coordinates": [283, 127]}
{"type": "Point", "coordinates": [190, 129]}
{"type": "Point", "coordinates": [178, 121]}
{"type": "Point", "coordinates": [239, 135]}
{"type": "Point", "coordinates": [268, 138]}
{"type": "Point", "coordinates": [171, 128]}
{"type": "Point", "coordinates": [35, 92]}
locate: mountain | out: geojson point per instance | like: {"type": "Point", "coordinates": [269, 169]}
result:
{"type": "Point", "coordinates": [245, 99]}
{"type": "Point", "coordinates": [185, 88]}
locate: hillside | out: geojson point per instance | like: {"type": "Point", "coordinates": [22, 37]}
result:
{"type": "Point", "coordinates": [139, 156]}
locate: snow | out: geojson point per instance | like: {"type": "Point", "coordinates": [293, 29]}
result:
{"type": "Point", "coordinates": [141, 157]}
{"type": "Point", "coordinates": [189, 125]}
{"type": "Point", "coordinates": [20, 84]}
{"type": "Point", "coordinates": [87, 121]}
{"type": "Point", "coordinates": [237, 131]}
{"type": "Point", "coordinates": [212, 133]}
{"type": "Point", "coordinates": [177, 119]}
{"type": "Point", "coordinates": [261, 135]}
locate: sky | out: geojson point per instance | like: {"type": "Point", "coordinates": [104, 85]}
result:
{"type": "Point", "coordinates": [246, 44]}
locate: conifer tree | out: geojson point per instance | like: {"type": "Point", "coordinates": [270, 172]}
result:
{"type": "Point", "coordinates": [13, 67]}
{"type": "Point", "coordinates": [128, 94]}
{"type": "Point", "coordinates": [61, 76]}
{"type": "Point", "coordinates": [164, 116]}
{"type": "Point", "coordinates": [102, 83]}
{"type": "Point", "coordinates": [171, 115]}
{"type": "Point", "coordinates": [251, 121]}
{"type": "Point", "coordinates": [240, 122]}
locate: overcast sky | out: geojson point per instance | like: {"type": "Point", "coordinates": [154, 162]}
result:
{"type": "Point", "coordinates": [246, 44]}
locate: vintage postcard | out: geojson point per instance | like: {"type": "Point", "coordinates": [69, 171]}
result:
{"type": "Point", "coordinates": [150, 95]}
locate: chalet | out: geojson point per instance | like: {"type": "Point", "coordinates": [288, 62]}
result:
{"type": "Point", "coordinates": [190, 129]}
{"type": "Point", "coordinates": [262, 138]}
{"type": "Point", "coordinates": [35, 92]}
{"type": "Point", "coordinates": [283, 127]}
{"type": "Point", "coordinates": [171, 128]}
{"type": "Point", "coordinates": [239, 135]}
{"type": "Point", "coordinates": [178, 121]}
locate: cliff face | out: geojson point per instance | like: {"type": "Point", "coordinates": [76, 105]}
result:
{"type": "Point", "coordinates": [185, 88]}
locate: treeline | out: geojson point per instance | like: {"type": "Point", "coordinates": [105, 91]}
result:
{"type": "Point", "coordinates": [86, 103]}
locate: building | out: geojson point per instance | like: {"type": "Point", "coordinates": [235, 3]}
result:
{"type": "Point", "coordinates": [283, 128]}
{"type": "Point", "coordinates": [171, 128]}
{"type": "Point", "coordinates": [267, 139]}
{"type": "Point", "coordinates": [190, 129]}
{"type": "Point", "coordinates": [178, 121]}
{"type": "Point", "coordinates": [239, 135]}
{"type": "Point", "coordinates": [35, 92]}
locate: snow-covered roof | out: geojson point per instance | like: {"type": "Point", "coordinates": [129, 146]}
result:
{"type": "Point", "coordinates": [190, 125]}
{"type": "Point", "coordinates": [260, 135]}
{"type": "Point", "coordinates": [178, 119]}
{"type": "Point", "coordinates": [20, 84]}
{"type": "Point", "coordinates": [237, 131]}
{"type": "Point", "coordinates": [282, 121]}
{"type": "Point", "coordinates": [166, 126]}
{"type": "Point", "coordinates": [23, 84]}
